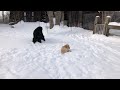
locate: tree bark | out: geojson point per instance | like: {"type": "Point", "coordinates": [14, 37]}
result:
{"type": "Point", "coordinates": [57, 17]}
{"type": "Point", "coordinates": [62, 17]}
{"type": "Point", "coordinates": [3, 15]}
{"type": "Point", "coordinates": [50, 16]}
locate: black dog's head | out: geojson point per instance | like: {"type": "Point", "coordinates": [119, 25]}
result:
{"type": "Point", "coordinates": [40, 28]}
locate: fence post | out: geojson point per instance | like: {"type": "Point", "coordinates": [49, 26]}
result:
{"type": "Point", "coordinates": [107, 20]}
{"type": "Point", "coordinates": [95, 23]}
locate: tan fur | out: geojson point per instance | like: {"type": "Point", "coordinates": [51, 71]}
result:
{"type": "Point", "coordinates": [65, 48]}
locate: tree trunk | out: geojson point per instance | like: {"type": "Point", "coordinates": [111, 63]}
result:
{"type": "Point", "coordinates": [50, 16]}
{"type": "Point", "coordinates": [3, 15]}
{"type": "Point", "coordinates": [66, 18]}
{"type": "Point", "coordinates": [62, 17]}
{"type": "Point", "coordinates": [12, 16]}
{"type": "Point", "coordinates": [57, 17]}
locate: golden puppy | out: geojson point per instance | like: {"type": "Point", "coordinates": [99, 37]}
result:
{"type": "Point", "coordinates": [65, 48]}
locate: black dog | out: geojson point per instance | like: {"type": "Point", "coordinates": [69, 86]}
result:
{"type": "Point", "coordinates": [38, 35]}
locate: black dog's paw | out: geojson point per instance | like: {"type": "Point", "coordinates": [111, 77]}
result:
{"type": "Point", "coordinates": [39, 41]}
{"type": "Point", "coordinates": [34, 41]}
{"type": "Point", "coordinates": [44, 39]}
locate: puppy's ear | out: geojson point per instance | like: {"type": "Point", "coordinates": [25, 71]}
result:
{"type": "Point", "coordinates": [65, 46]}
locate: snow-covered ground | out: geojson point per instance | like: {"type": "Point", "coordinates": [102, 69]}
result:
{"type": "Point", "coordinates": [92, 56]}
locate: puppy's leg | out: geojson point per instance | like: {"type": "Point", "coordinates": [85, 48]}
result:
{"type": "Point", "coordinates": [69, 50]}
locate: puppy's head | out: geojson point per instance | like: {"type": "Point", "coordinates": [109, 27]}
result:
{"type": "Point", "coordinates": [67, 46]}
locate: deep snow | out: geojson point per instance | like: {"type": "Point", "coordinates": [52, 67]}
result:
{"type": "Point", "coordinates": [92, 56]}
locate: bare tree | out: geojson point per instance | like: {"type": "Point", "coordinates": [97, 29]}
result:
{"type": "Point", "coordinates": [58, 15]}
{"type": "Point", "coordinates": [3, 15]}
{"type": "Point", "coordinates": [6, 16]}
{"type": "Point", "coordinates": [50, 16]}
{"type": "Point", "coordinates": [74, 18]}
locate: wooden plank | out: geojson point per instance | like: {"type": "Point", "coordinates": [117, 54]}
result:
{"type": "Point", "coordinates": [113, 27]}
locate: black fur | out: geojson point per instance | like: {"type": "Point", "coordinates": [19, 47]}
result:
{"type": "Point", "coordinates": [38, 35]}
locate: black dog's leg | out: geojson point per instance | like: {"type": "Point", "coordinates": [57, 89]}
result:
{"type": "Point", "coordinates": [43, 38]}
{"type": "Point", "coordinates": [34, 40]}
{"type": "Point", "coordinates": [39, 41]}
